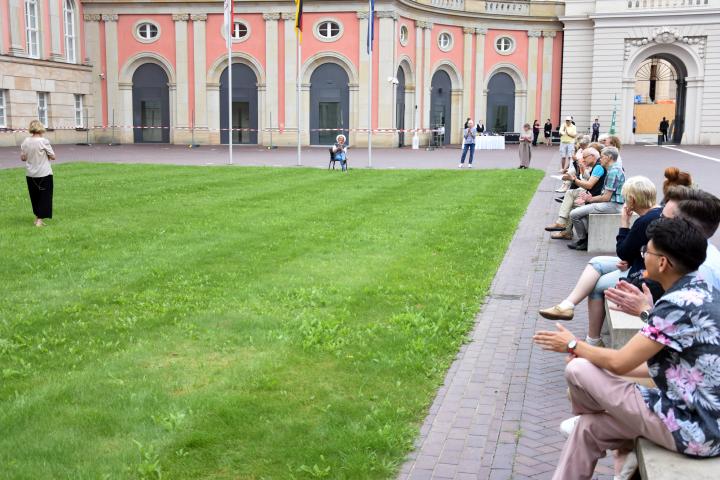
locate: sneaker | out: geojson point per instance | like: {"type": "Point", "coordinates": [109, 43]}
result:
{"type": "Point", "coordinates": [561, 190]}
{"type": "Point", "coordinates": [562, 236]}
{"type": "Point", "coordinates": [581, 244]}
{"type": "Point", "coordinates": [557, 313]}
{"type": "Point", "coordinates": [460, 166]}
{"type": "Point", "coordinates": [555, 227]}
{"type": "Point", "coordinates": [469, 165]}
{"type": "Point", "coordinates": [568, 425]}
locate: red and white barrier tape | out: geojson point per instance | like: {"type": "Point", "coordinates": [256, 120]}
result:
{"type": "Point", "coordinates": [280, 130]}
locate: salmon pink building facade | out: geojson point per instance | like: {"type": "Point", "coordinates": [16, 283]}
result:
{"type": "Point", "coordinates": [157, 71]}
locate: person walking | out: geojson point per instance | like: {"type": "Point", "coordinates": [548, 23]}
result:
{"type": "Point", "coordinates": [664, 125]}
{"type": "Point", "coordinates": [37, 152]}
{"type": "Point", "coordinates": [568, 132]}
{"type": "Point", "coordinates": [525, 151]}
{"type": "Point", "coordinates": [595, 131]}
{"type": "Point", "coordinates": [547, 132]}
{"type": "Point", "coordinates": [536, 132]}
{"type": "Point", "coordinates": [469, 135]}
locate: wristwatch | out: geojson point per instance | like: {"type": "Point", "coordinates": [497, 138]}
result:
{"type": "Point", "coordinates": [645, 315]}
{"type": "Point", "coordinates": [572, 344]}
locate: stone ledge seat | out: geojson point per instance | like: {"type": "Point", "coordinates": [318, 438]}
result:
{"type": "Point", "coordinates": [603, 230]}
{"type": "Point", "coordinates": [656, 463]}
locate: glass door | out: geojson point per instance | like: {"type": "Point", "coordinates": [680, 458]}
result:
{"type": "Point", "coordinates": [241, 119]}
{"type": "Point", "coordinates": [401, 123]}
{"type": "Point", "coordinates": [329, 119]}
{"type": "Point", "coordinates": [151, 116]}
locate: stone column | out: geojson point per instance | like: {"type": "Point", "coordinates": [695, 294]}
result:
{"type": "Point", "coordinates": [200, 77]}
{"type": "Point", "coordinates": [693, 111]}
{"type": "Point", "coordinates": [92, 43]}
{"type": "Point", "coordinates": [271, 106]}
{"type": "Point", "coordinates": [386, 69]}
{"type": "Point", "coordinates": [182, 87]}
{"type": "Point", "coordinates": [364, 102]}
{"type": "Point", "coordinates": [291, 100]}
{"type": "Point", "coordinates": [56, 38]}
{"type": "Point", "coordinates": [419, 77]}
{"type": "Point", "coordinates": [533, 36]}
{"type": "Point", "coordinates": [16, 37]}
{"type": "Point", "coordinates": [458, 116]}
{"type": "Point", "coordinates": [427, 72]}
{"type": "Point", "coordinates": [114, 106]}
{"type": "Point", "coordinates": [480, 98]}
{"type": "Point", "coordinates": [467, 71]}
{"type": "Point", "coordinates": [213, 112]}
{"type": "Point", "coordinates": [548, 40]}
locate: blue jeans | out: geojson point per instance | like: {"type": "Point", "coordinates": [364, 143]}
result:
{"type": "Point", "coordinates": [471, 148]}
{"type": "Point", "coordinates": [609, 275]}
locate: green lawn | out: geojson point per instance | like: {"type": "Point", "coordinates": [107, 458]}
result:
{"type": "Point", "coordinates": [190, 322]}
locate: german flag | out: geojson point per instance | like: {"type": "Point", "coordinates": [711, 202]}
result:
{"type": "Point", "coordinates": [298, 19]}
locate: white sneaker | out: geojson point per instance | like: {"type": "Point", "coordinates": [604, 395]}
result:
{"type": "Point", "coordinates": [470, 165]}
{"type": "Point", "coordinates": [568, 425]}
{"type": "Point", "coordinates": [460, 166]}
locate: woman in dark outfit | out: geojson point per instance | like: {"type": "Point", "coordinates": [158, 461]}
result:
{"type": "Point", "coordinates": [36, 152]}
{"type": "Point", "coordinates": [536, 133]}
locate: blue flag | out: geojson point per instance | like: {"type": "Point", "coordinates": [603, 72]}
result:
{"type": "Point", "coordinates": [371, 26]}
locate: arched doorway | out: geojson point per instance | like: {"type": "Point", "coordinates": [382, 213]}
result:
{"type": "Point", "coordinates": [400, 106]}
{"type": "Point", "coordinates": [244, 105]}
{"type": "Point", "coordinates": [660, 91]}
{"type": "Point", "coordinates": [441, 103]}
{"type": "Point", "coordinates": [501, 103]}
{"type": "Point", "coordinates": [151, 104]}
{"type": "Point", "coordinates": [329, 104]}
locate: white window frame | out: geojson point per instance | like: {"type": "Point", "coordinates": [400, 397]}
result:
{"type": "Point", "coordinates": [450, 42]}
{"type": "Point", "coordinates": [512, 45]}
{"type": "Point", "coordinates": [404, 35]}
{"type": "Point", "coordinates": [325, 21]}
{"type": "Point", "coordinates": [70, 31]}
{"type": "Point", "coordinates": [142, 39]}
{"type": "Point", "coordinates": [42, 108]}
{"type": "Point", "coordinates": [235, 28]}
{"type": "Point", "coordinates": [3, 109]}
{"type": "Point", "coordinates": [79, 107]}
{"type": "Point", "coordinates": [32, 33]}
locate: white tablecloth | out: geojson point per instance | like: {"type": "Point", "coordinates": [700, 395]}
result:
{"type": "Point", "coordinates": [496, 142]}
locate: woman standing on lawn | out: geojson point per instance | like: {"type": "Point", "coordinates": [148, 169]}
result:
{"type": "Point", "coordinates": [36, 152]}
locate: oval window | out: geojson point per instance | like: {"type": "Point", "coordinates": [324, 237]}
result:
{"type": "Point", "coordinates": [239, 31]}
{"type": "Point", "coordinates": [504, 45]}
{"type": "Point", "coordinates": [328, 30]}
{"type": "Point", "coordinates": [404, 34]}
{"type": "Point", "coordinates": [445, 41]}
{"type": "Point", "coordinates": [147, 31]}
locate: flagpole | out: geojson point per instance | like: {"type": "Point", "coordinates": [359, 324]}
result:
{"type": "Point", "coordinates": [299, 63]}
{"type": "Point", "coordinates": [371, 28]}
{"type": "Point", "coordinates": [230, 85]}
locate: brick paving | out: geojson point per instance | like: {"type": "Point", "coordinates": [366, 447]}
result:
{"type": "Point", "coordinates": [497, 414]}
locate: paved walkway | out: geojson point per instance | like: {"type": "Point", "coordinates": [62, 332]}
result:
{"type": "Point", "coordinates": [497, 414]}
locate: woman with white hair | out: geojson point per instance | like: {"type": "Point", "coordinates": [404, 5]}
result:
{"type": "Point", "coordinates": [604, 272]}
{"type": "Point", "coordinates": [36, 152]}
{"type": "Point", "coordinates": [339, 151]}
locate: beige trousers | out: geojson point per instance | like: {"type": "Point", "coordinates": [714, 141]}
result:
{"type": "Point", "coordinates": [612, 415]}
{"type": "Point", "coordinates": [566, 207]}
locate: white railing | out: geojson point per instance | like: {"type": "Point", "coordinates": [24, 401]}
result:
{"type": "Point", "coordinates": [449, 4]}
{"type": "Point", "coordinates": [508, 8]}
{"type": "Point", "coordinates": [645, 4]}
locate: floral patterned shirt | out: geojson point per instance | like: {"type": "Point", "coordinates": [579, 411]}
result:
{"type": "Point", "coordinates": [686, 320]}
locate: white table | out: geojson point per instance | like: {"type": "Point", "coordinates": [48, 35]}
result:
{"type": "Point", "coordinates": [496, 142]}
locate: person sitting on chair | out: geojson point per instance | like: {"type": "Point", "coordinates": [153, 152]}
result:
{"type": "Point", "coordinates": [339, 151]}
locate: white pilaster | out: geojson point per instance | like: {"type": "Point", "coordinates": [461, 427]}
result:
{"type": "Point", "coordinates": [182, 89]}
{"type": "Point", "coordinates": [291, 100]}
{"type": "Point", "coordinates": [386, 69]}
{"type": "Point", "coordinates": [92, 44]}
{"type": "Point", "coordinates": [114, 106]}
{"type": "Point", "coordinates": [419, 76]}
{"type": "Point", "coordinates": [480, 99]}
{"type": "Point", "coordinates": [360, 139]}
{"type": "Point", "coordinates": [272, 68]}
{"type": "Point", "coordinates": [548, 41]}
{"type": "Point", "coordinates": [533, 36]}
{"type": "Point", "coordinates": [16, 39]}
{"type": "Point", "coordinates": [467, 106]}
{"type": "Point", "coordinates": [427, 72]}
{"type": "Point", "coordinates": [200, 76]}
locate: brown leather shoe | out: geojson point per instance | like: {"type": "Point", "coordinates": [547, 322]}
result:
{"type": "Point", "coordinates": [555, 227]}
{"type": "Point", "coordinates": [564, 235]}
{"type": "Point", "coordinates": [557, 313]}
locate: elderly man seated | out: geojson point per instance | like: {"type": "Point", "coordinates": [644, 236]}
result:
{"type": "Point", "coordinates": [610, 201]}
{"type": "Point", "coordinates": [679, 349]}
{"type": "Point", "coordinates": [593, 180]}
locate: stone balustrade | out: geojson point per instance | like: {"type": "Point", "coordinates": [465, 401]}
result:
{"type": "Point", "coordinates": [654, 4]}
{"type": "Point", "coordinates": [508, 8]}
{"type": "Point", "coordinates": [449, 4]}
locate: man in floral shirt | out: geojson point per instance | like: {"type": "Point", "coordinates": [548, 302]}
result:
{"type": "Point", "coordinates": [679, 348]}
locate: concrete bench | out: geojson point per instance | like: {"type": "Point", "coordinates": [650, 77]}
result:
{"type": "Point", "coordinates": [656, 463]}
{"type": "Point", "coordinates": [622, 326]}
{"type": "Point", "coordinates": [603, 230]}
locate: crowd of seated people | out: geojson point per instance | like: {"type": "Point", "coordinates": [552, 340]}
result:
{"type": "Point", "coordinates": [668, 273]}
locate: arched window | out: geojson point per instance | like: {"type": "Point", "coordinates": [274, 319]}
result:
{"type": "Point", "coordinates": [31, 29]}
{"type": "Point", "coordinates": [70, 32]}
